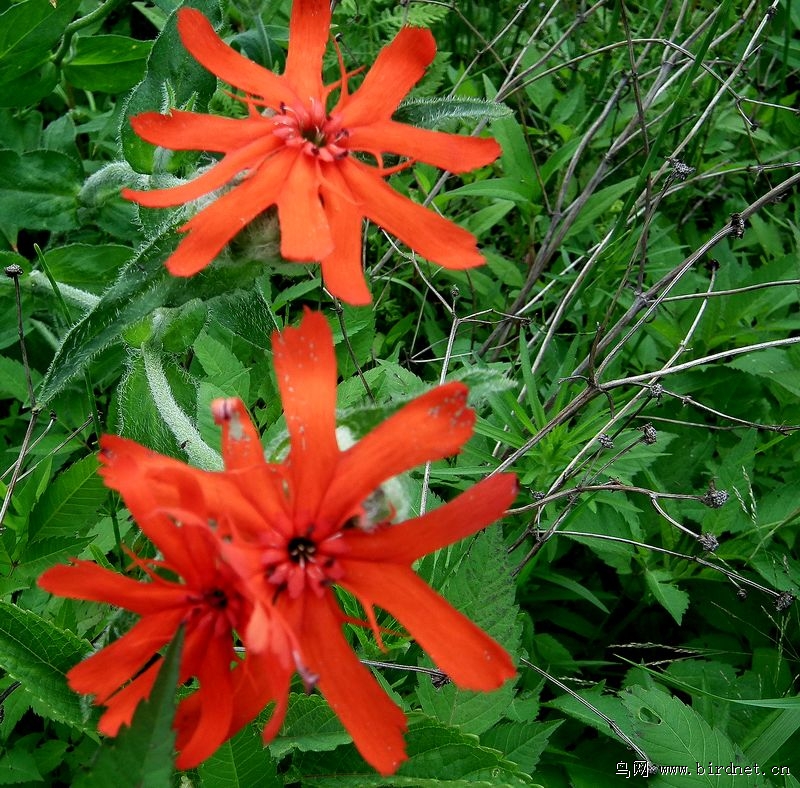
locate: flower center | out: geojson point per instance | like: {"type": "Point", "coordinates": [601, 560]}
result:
{"type": "Point", "coordinates": [303, 562]}
{"type": "Point", "coordinates": [301, 549]}
{"type": "Point", "coordinates": [216, 599]}
{"type": "Point", "coordinates": [311, 129]}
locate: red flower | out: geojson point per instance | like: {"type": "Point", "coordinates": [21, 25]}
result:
{"type": "Point", "coordinates": [257, 548]}
{"type": "Point", "coordinates": [314, 535]}
{"type": "Point", "coordinates": [297, 155]}
{"type": "Point", "coordinates": [174, 504]}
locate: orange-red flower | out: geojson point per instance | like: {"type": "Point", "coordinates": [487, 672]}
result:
{"type": "Point", "coordinates": [254, 551]}
{"type": "Point", "coordinates": [316, 534]}
{"type": "Point", "coordinates": [190, 586]}
{"type": "Point", "coordinates": [295, 153]}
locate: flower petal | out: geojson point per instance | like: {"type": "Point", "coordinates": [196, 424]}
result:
{"type": "Point", "coordinates": [305, 233]}
{"type": "Point", "coordinates": [211, 51]}
{"type": "Point", "coordinates": [213, 227]}
{"type": "Point", "coordinates": [107, 670]}
{"type": "Point", "coordinates": [216, 705]}
{"type": "Point", "coordinates": [241, 443]}
{"type": "Point", "coordinates": [435, 238]}
{"type": "Point", "coordinates": [465, 652]}
{"type": "Point", "coordinates": [255, 682]}
{"type": "Point", "coordinates": [87, 580]}
{"type": "Point", "coordinates": [451, 152]}
{"type": "Point", "coordinates": [430, 427]}
{"type": "Point", "coordinates": [398, 67]}
{"type": "Point", "coordinates": [309, 28]}
{"type": "Point", "coordinates": [194, 131]}
{"type": "Point", "coordinates": [250, 157]}
{"type": "Point", "coordinates": [376, 724]}
{"type": "Point", "coordinates": [122, 706]}
{"type": "Point", "coordinates": [405, 542]}
{"type": "Point", "coordinates": [342, 271]}
{"type": "Point", "coordinates": [305, 368]}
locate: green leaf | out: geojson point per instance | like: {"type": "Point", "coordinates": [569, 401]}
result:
{"type": "Point", "coordinates": [142, 754]}
{"type": "Point", "coordinates": [12, 379]}
{"type": "Point", "coordinates": [521, 742]}
{"type": "Point", "coordinates": [142, 287]}
{"type": "Point", "coordinates": [90, 267]}
{"type": "Point", "coordinates": [481, 587]}
{"type": "Point", "coordinates": [242, 762]}
{"type": "Point", "coordinates": [310, 725]}
{"type": "Point", "coordinates": [432, 112]}
{"type": "Point", "coordinates": [38, 191]}
{"type": "Point", "coordinates": [174, 79]}
{"type": "Point", "coordinates": [39, 82]}
{"type": "Point", "coordinates": [179, 424]}
{"type": "Point", "coordinates": [28, 30]}
{"type": "Point", "coordinates": [438, 757]}
{"type": "Point", "coordinates": [39, 654]}
{"type": "Point", "coordinates": [45, 553]}
{"type": "Point", "coordinates": [19, 766]}
{"type": "Point", "coordinates": [110, 64]}
{"type": "Point", "coordinates": [672, 599]}
{"type": "Point", "coordinates": [221, 366]}
{"type": "Point", "coordinates": [69, 504]}
{"type": "Point", "coordinates": [137, 415]}
{"type": "Point", "coordinates": [673, 734]}
{"type": "Point", "coordinates": [246, 314]}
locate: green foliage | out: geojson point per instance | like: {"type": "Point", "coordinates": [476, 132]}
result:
{"type": "Point", "coordinates": [241, 762]}
{"type": "Point", "coordinates": [142, 753]}
{"type": "Point", "coordinates": [39, 654]}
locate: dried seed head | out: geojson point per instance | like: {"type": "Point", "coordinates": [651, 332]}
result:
{"type": "Point", "coordinates": [13, 271]}
{"type": "Point", "coordinates": [708, 542]}
{"type": "Point", "coordinates": [741, 593]}
{"type": "Point", "coordinates": [656, 391]}
{"type": "Point", "coordinates": [606, 441]}
{"type": "Point", "coordinates": [680, 170]}
{"type": "Point", "coordinates": [649, 434]}
{"type": "Point", "coordinates": [454, 292]}
{"type": "Point", "coordinates": [784, 601]}
{"type": "Point", "coordinates": [537, 495]}
{"type": "Point", "coordinates": [715, 498]}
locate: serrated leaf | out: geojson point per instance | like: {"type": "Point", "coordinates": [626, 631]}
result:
{"type": "Point", "coordinates": [673, 734]}
{"type": "Point", "coordinates": [221, 366]}
{"type": "Point", "coordinates": [438, 757]}
{"type": "Point", "coordinates": [432, 112]}
{"type": "Point", "coordinates": [39, 654]}
{"type": "Point", "coordinates": [69, 503]}
{"type": "Point", "coordinates": [38, 191]}
{"type": "Point", "coordinates": [672, 599]}
{"type": "Point", "coordinates": [142, 754]}
{"type": "Point", "coordinates": [242, 762]}
{"type": "Point", "coordinates": [310, 725]}
{"type": "Point", "coordinates": [521, 743]}
{"type": "Point", "coordinates": [44, 553]}
{"type": "Point", "coordinates": [481, 587]}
